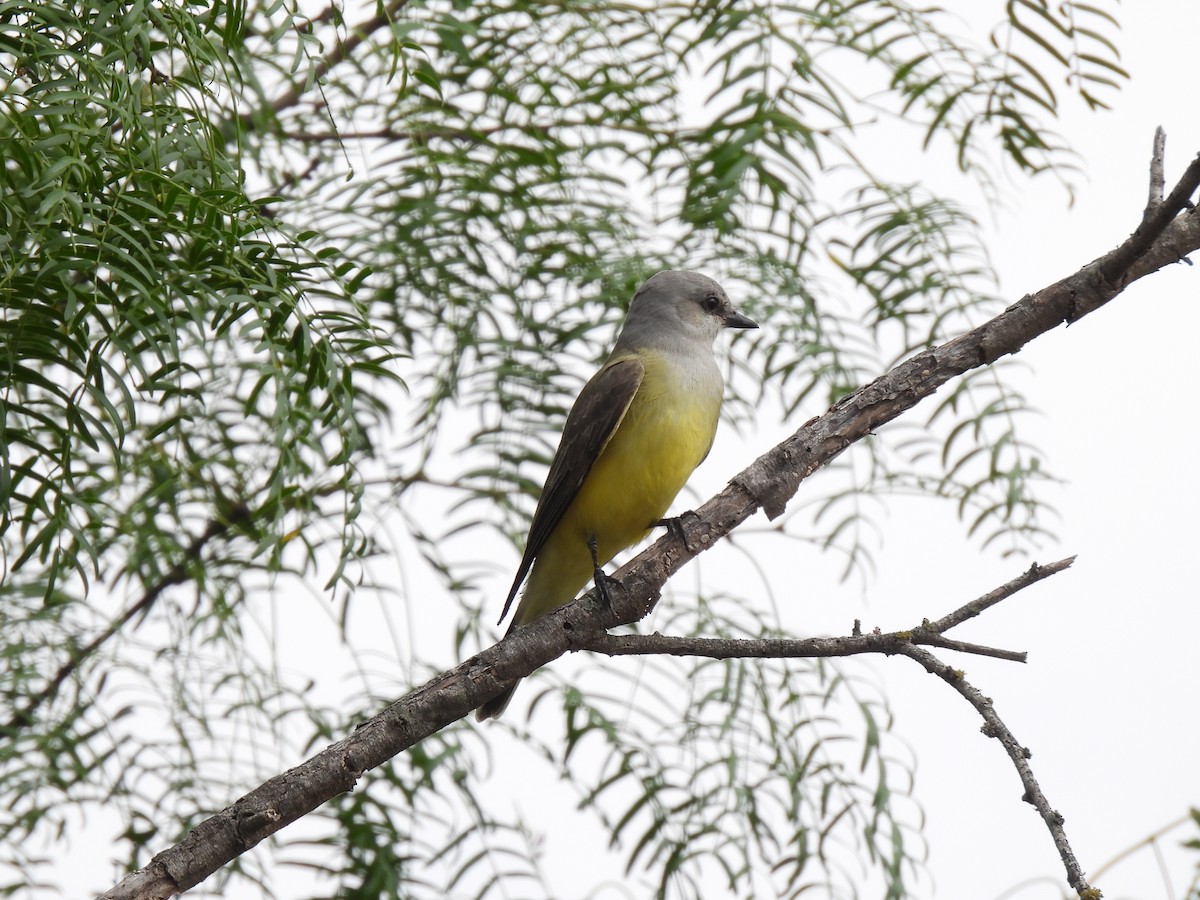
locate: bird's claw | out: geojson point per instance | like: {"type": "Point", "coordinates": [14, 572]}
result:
{"type": "Point", "coordinates": [674, 526]}
{"type": "Point", "coordinates": [599, 576]}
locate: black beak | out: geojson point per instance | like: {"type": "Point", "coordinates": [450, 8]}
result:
{"type": "Point", "coordinates": [734, 319]}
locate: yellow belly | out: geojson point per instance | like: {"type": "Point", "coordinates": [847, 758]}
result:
{"type": "Point", "coordinates": [666, 432]}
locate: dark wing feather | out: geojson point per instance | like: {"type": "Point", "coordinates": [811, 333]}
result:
{"type": "Point", "coordinates": [593, 420]}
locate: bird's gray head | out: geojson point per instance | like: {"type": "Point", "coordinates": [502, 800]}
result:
{"type": "Point", "coordinates": [675, 307]}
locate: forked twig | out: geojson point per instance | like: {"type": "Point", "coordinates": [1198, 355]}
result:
{"type": "Point", "coordinates": [903, 643]}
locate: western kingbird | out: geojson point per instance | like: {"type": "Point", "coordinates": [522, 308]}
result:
{"type": "Point", "coordinates": [632, 439]}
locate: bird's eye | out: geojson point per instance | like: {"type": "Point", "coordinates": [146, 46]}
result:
{"type": "Point", "coordinates": [711, 303]}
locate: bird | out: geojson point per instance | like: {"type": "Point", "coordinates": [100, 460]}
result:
{"type": "Point", "coordinates": [636, 432]}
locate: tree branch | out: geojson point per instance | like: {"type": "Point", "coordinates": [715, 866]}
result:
{"type": "Point", "coordinates": [1158, 215]}
{"type": "Point", "coordinates": [769, 483]}
{"type": "Point", "coordinates": [1030, 576]}
{"type": "Point", "coordinates": [427, 133]}
{"type": "Point", "coordinates": [994, 727]}
{"type": "Point", "coordinates": [339, 53]}
{"type": "Point", "coordinates": [177, 574]}
{"type": "Point", "coordinates": [1158, 178]}
{"type": "Point", "coordinates": [927, 633]}
{"type": "Point", "coordinates": [778, 648]}
{"type": "Point", "coordinates": [904, 643]}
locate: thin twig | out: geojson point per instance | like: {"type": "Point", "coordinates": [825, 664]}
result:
{"type": "Point", "coordinates": [1032, 575]}
{"type": "Point", "coordinates": [994, 727]}
{"type": "Point", "coordinates": [849, 645]}
{"type": "Point", "coordinates": [339, 53]}
{"type": "Point", "coordinates": [425, 133]}
{"type": "Point", "coordinates": [1148, 841]}
{"type": "Point", "coordinates": [177, 574]}
{"type": "Point", "coordinates": [904, 643]}
{"type": "Point", "coordinates": [777, 648]}
{"type": "Point", "coordinates": [936, 640]}
{"type": "Point", "coordinates": [1158, 178]}
{"type": "Point", "coordinates": [1158, 215]}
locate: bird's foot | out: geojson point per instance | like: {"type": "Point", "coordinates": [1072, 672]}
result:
{"type": "Point", "coordinates": [603, 580]}
{"type": "Point", "coordinates": [674, 526]}
{"type": "Point", "coordinates": [599, 576]}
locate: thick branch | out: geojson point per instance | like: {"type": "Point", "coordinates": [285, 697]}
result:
{"type": "Point", "coordinates": [768, 484]}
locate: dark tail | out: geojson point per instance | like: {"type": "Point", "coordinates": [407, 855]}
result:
{"type": "Point", "coordinates": [494, 707]}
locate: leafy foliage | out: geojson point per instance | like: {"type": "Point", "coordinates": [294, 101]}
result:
{"type": "Point", "coordinates": [183, 380]}
{"type": "Point", "coordinates": [230, 229]}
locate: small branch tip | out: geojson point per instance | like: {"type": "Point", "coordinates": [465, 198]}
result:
{"type": "Point", "coordinates": [1157, 178]}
